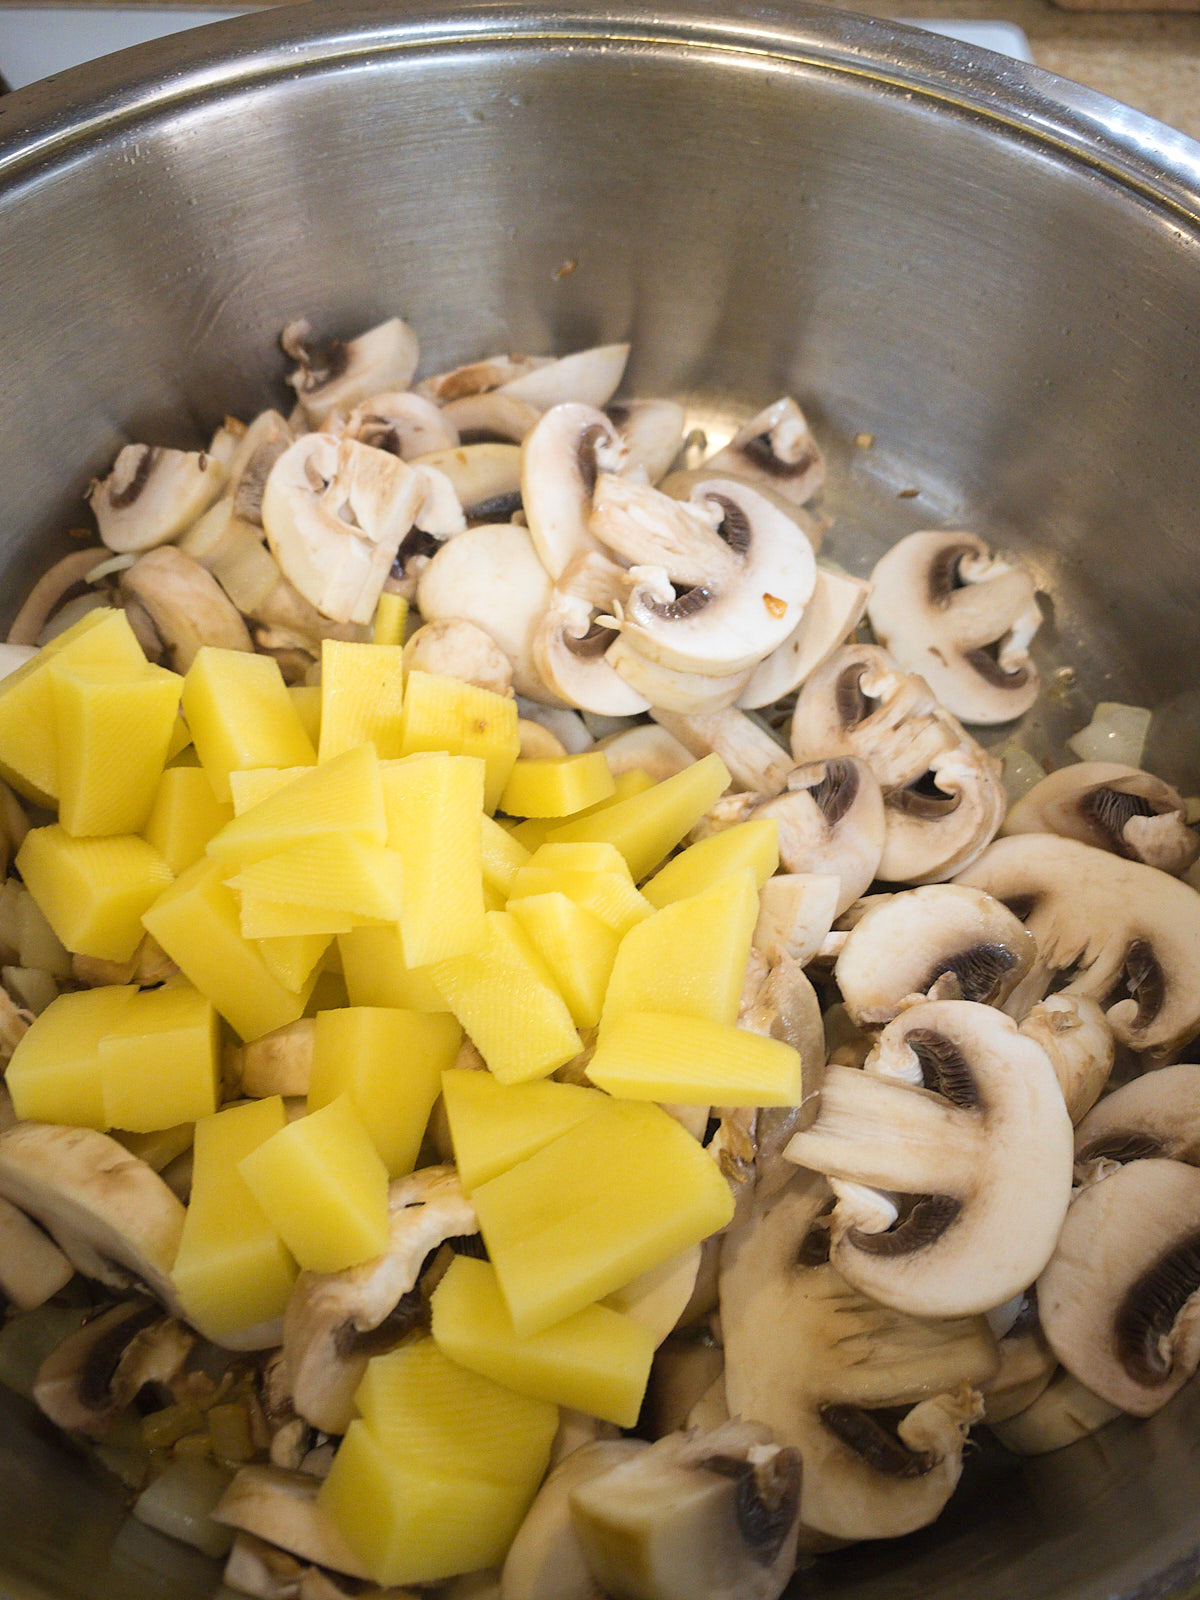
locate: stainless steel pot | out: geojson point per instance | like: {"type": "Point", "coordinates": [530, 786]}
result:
{"type": "Point", "coordinates": [994, 273]}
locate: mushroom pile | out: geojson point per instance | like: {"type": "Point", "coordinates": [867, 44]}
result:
{"type": "Point", "coordinates": [986, 1207]}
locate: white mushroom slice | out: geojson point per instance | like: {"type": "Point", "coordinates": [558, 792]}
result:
{"type": "Point", "coordinates": [47, 594]}
{"type": "Point", "coordinates": [98, 1371]}
{"type": "Point", "coordinates": [1072, 1031]}
{"type": "Point", "coordinates": [1062, 1414]}
{"type": "Point", "coordinates": [281, 1507]}
{"type": "Point", "coordinates": [537, 743]}
{"type": "Point", "coordinates": [402, 423]}
{"type": "Point", "coordinates": [1128, 935]}
{"type": "Point", "coordinates": [945, 608]}
{"type": "Point", "coordinates": [1157, 1115]}
{"type": "Point", "coordinates": [32, 1267]}
{"type": "Point", "coordinates": [261, 446]}
{"type": "Point", "coordinates": [569, 650]}
{"type": "Point", "coordinates": [485, 477]}
{"type": "Point", "coordinates": [545, 1561]}
{"type": "Point", "coordinates": [572, 448]}
{"type": "Point", "coordinates": [1027, 1364]}
{"type": "Point", "coordinates": [479, 377]}
{"type": "Point", "coordinates": [959, 1114]}
{"type": "Point", "coordinates": [944, 940]}
{"type": "Point", "coordinates": [152, 494]}
{"type": "Point", "coordinates": [720, 580]}
{"type": "Point", "coordinates": [187, 605]}
{"type": "Point", "coordinates": [696, 1516]}
{"type": "Point", "coordinates": [755, 760]}
{"type": "Point", "coordinates": [658, 1298]}
{"type": "Point", "coordinates": [831, 822]}
{"type": "Point", "coordinates": [492, 576]}
{"type": "Point", "coordinates": [335, 513]}
{"type": "Point", "coordinates": [112, 1216]}
{"type": "Point", "coordinates": [455, 648]}
{"type": "Point", "coordinates": [831, 615]}
{"type": "Point", "coordinates": [685, 1367]}
{"type": "Point", "coordinates": [588, 378]}
{"type": "Point", "coordinates": [691, 693]}
{"type": "Point", "coordinates": [795, 913]}
{"type": "Point", "coordinates": [1113, 808]}
{"type": "Point", "coordinates": [384, 358]}
{"type": "Point", "coordinates": [648, 747]}
{"type": "Point", "coordinates": [331, 1318]}
{"type": "Point", "coordinates": [1120, 1298]}
{"type": "Point", "coordinates": [491, 418]}
{"type": "Point", "coordinates": [653, 435]}
{"type": "Point", "coordinates": [576, 1429]}
{"type": "Point", "coordinates": [778, 448]}
{"type": "Point", "coordinates": [567, 727]}
{"type": "Point", "coordinates": [280, 1062]}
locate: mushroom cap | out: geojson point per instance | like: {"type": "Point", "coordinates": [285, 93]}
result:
{"type": "Point", "coordinates": [402, 423]}
{"type": "Point", "coordinates": [478, 377]}
{"type": "Point", "coordinates": [939, 603]}
{"type": "Point", "coordinates": [961, 1119]}
{"type": "Point", "coordinates": [960, 943]}
{"type": "Point", "coordinates": [188, 607]}
{"type": "Point", "coordinates": [545, 1561]}
{"type": "Point", "coordinates": [1072, 1031]}
{"type": "Point", "coordinates": [585, 377]}
{"type": "Point", "coordinates": [830, 822]}
{"type": "Point", "coordinates": [1112, 807]}
{"type": "Point", "coordinates": [570, 647]}
{"type": "Point", "coordinates": [1120, 1298]}
{"type": "Point", "coordinates": [383, 358]}
{"type": "Point", "coordinates": [562, 461]}
{"type": "Point", "coordinates": [281, 1507]}
{"type": "Point", "coordinates": [834, 611]}
{"type": "Point", "coordinates": [1156, 1115]}
{"type": "Point", "coordinates": [485, 477]}
{"type": "Point", "coordinates": [97, 1371]}
{"type": "Point", "coordinates": [152, 494]}
{"type": "Point", "coordinates": [652, 431]}
{"type": "Point", "coordinates": [1128, 934]}
{"type": "Point", "coordinates": [452, 647]}
{"type": "Point", "coordinates": [776, 447]}
{"type": "Point", "coordinates": [1062, 1414]}
{"type": "Point", "coordinates": [490, 418]}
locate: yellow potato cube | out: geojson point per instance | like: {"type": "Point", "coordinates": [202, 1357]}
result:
{"type": "Point", "coordinates": [345, 796]}
{"type": "Point", "coordinates": [610, 896]}
{"type": "Point", "coordinates": [690, 957]}
{"type": "Point", "coordinates": [233, 1271]}
{"type": "Point", "coordinates": [597, 1361]}
{"type": "Point", "coordinates": [433, 805]}
{"type": "Point", "coordinates": [241, 715]}
{"type": "Point", "coordinates": [694, 1062]}
{"type": "Point", "coordinates": [408, 1523]}
{"type": "Point", "coordinates": [577, 947]}
{"type": "Point", "coordinates": [377, 974]}
{"type": "Point", "coordinates": [262, 920]}
{"type": "Point", "coordinates": [558, 786]}
{"type": "Point", "coordinates": [391, 619]}
{"type": "Point", "coordinates": [422, 1406]}
{"type": "Point", "coordinates": [647, 826]}
{"type": "Point", "coordinates": [292, 958]}
{"type": "Point", "coordinates": [160, 1064]}
{"type": "Point", "coordinates": [181, 736]}
{"type": "Point", "coordinates": [329, 993]}
{"type": "Point", "coordinates": [362, 695]}
{"type": "Point", "coordinates": [336, 871]}
{"type": "Point", "coordinates": [184, 816]}
{"type": "Point", "coordinates": [390, 1063]}
{"type": "Point", "coordinates": [322, 1184]}
{"type": "Point", "coordinates": [28, 736]}
{"type": "Point", "coordinates": [749, 844]}
{"type": "Point", "coordinates": [495, 1125]}
{"type": "Point", "coordinates": [461, 720]}
{"type": "Point", "coordinates": [505, 998]}
{"type": "Point", "coordinates": [113, 730]}
{"type": "Point", "coordinates": [502, 856]}
{"type": "Point", "coordinates": [534, 831]}
{"type": "Point", "coordinates": [306, 697]}
{"type": "Point", "coordinates": [197, 923]}
{"type": "Point", "coordinates": [581, 858]}
{"type": "Point", "coordinates": [604, 1202]}
{"type": "Point", "coordinates": [93, 892]}
{"type": "Point", "coordinates": [260, 783]}
{"type": "Point", "coordinates": [54, 1074]}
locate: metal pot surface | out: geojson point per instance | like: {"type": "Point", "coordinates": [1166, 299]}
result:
{"type": "Point", "coordinates": [994, 273]}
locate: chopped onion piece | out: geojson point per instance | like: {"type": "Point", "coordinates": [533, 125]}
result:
{"type": "Point", "coordinates": [1021, 771]}
{"type": "Point", "coordinates": [180, 1503]}
{"type": "Point", "coordinates": [1115, 733]}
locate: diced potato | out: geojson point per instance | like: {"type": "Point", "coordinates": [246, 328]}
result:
{"type": "Point", "coordinates": [391, 619]}
{"type": "Point", "coordinates": [322, 1184]}
{"type": "Point", "coordinates": [610, 896]}
{"type": "Point", "coordinates": [601, 1204]}
{"type": "Point", "coordinates": [54, 1074]}
{"type": "Point", "coordinates": [362, 695]}
{"type": "Point", "coordinates": [495, 1125]}
{"type": "Point", "coordinates": [160, 1062]}
{"type": "Point", "coordinates": [198, 925]}
{"type": "Point", "coordinates": [690, 957]}
{"type": "Point", "coordinates": [577, 947]}
{"type": "Point", "coordinates": [181, 736]}
{"type": "Point", "coordinates": [597, 1361]}
{"type": "Point", "coordinates": [329, 993]}
{"type": "Point", "coordinates": [344, 796]}
{"type": "Point", "coordinates": [750, 844]}
{"type": "Point", "coordinates": [113, 729]}
{"type": "Point", "coordinates": [241, 715]}
{"type": "Point", "coordinates": [292, 958]}
{"type": "Point", "coordinates": [93, 891]}
{"type": "Point", "coordinates": [268, 919]}
{"type": "Point", "coordinates": [462, 720]}
{"type": "Point", "coordinates": [28, 737]}
{"type": "Point", "coordinates": [646, 826]}
{"type": "Point", "coordinates": [581, 857]}
{"type": "Point", "coordinates": [306, 697]}
{"type": "Point", "coordinates": [233, 1271]}
{"type": "Point", "coordinates": [377, 974]}
{"type": "Point", "coordinates": [505, 998]}
{"type": "Point", "coordinates": [534, 831]}
{"type": "Point", "coordinates": [260, 783]}
{"type": "Point", "coordinates": [694, 1062]}
{"type": "Point", "coordinates": [390, 1063]}
{"type": "Point", "coordinates": [502, 856]}
{"type": "Point", "coordinates": [407, 1523]}
{"type": "Point", "coordinates": [433, 805]}
{"type": "Point", "coordinates": [558, 786]}
{"type": "Point", "coordinates": [184, 816]}
{"type": "Point", "coordinates": [337, 871]}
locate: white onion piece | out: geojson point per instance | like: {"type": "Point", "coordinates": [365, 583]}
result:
{"type": "Point", "coordinates": [1115, 733]}
{"type": "Point", "coordinates": [180, 1503]}
{"type": "Point", "coordinates": [1021, 771]}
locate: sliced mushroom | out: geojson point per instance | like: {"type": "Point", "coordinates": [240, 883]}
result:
{"type": "Point", "coordinates": [491, 418]}
{"type": "Point", "coordinates": [98, 1371]}
{"type": "Point", "coordinates": [650, 748]}
{"type": "Point", "coordinates": [831, 615]}
{"type": "Point", "coordinates": [1127, 935]}
{"type": "Point", "coordinates": [562, 460]}
{"type": "Point", "coordinates": [830, 822]}
{"type": "Point", "coordinates": [575, 1429]}
{"type": "Point", "coordinates": [384, 358]}
{"type": "Point", "coordinates": [336, 1321]}
{"type": "Point", "coordinates": [478, 377]}
{"type": "Point", "coordinates": [567, 727]}
{"type": "Point", "coordinates": [658, 1298]}
{"type": "Point", "coordinates": [1027, 1364]}
{"type": "Point", "coordinates": [696, 1516]}
{"type": "Point", "coordinates": [586, 377]}
{"type": "Point", "coordinates": [570, 646]}
{"type": "Point", "coordinates": [653, 434]}
{"type": "Point", "coordinates": [259, 448]}
{"type": "Point", "coordinates": [778, 448]}
{"type": "Point", "coordinates": [1113, 808]}
{"type": "Point", "coordinates": [720, 580]}
{"type": "Point", "coordinates": [1157, 1114]}
{"type": "Point", "coordinates": [280, 1062]}
{"type": "Point", "coordinates": [456, 648]}
{"type": "Point", "coordinates": [32, 1267]}
{"type": "Point", "coordinates": [49, 592]}
{"type": "Point", "coordinates": [281, 1508]}
{"type": "Point", "coordinates": [402, 423]}
{"type": "Point", "coordinates": [1072, 1031]}
{"type": "Point", "coordinates": [545, 1560]}
{"type": "Point", "coordinates": [485, 477]}
{"type": "Point", "coordinates": [685, 1367]}
{"type": "Point", "coordinates": [187, 605]}
{"type": "Point", "coordinates": [755, 760]}
{"type": "Point", "coordinates": [795, 913]}
{"type": "Point", "coordinates": [940, 941]}
{"type": "Point", "coordinates": [1062, 1414]}
{"type": "Point", "coordinates": [962, 1119]}
{"type": "Point", "coordinates": [112, 1215]}
{"type": "Point", "coordinates": [152, 494]}
{"type": "Point", "coordinates": [691, 693]}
